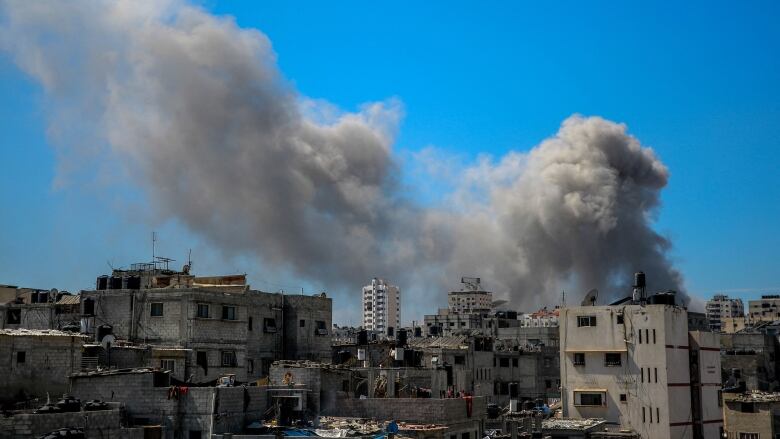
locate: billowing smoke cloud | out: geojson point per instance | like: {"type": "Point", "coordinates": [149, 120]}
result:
{"type": "Point", "coordinates": [193, 109]}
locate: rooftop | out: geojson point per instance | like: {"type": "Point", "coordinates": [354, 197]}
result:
{"type": "Point", "coordinates": [571, 424]}
{"type": "Point", "coordinates": [755, 396]}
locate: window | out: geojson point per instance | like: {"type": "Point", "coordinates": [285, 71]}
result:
{"type": "Point", "coordinates": [157, 310]}
{"type": "Point", "coordinates": [89, 307]}
{"type": "Point", "coordinates": [228, 313]}
{"type": "Point", "coordinates": [642, 371]}
{"type": "Point", "coordinates": [653, 336]}
{"type": "Point", "coordinates": [586, 321]}
{"type": "Point", "coordinates": [657, 414]}
{"type": "Point", "coordinates": [249, 323]}
{"type": "Point", "coordinates": [643, 415]}
{"type": "Point", "coordinates": [748, 436]}
{"type": "Point", "coordinates": [460, 359]}
{"type": "Point", "coordinates": [589, 398]}
{"type": "Point", "coordinates": [302, 323]}
{"type": "Point", "coordinates": [623, 397]}
{"type": "Point", "coordinates": [748, 407]}
{"type": "Point", "coordinates": [547, 384]}
{"type": "Point", "coordinates": [203, 311]}
{"type": "Point", "coordinates": [167, 364]}
{"type": "Point", "coordinates": [250, 366]}
{"type": "Point", "coordinates": [503, 362]}
{"type": "Point", "coordinates": [650, 412]}
{"type": "Point", "coordinates": [647, 336]}
{"type": "Point", "coordinates": [579, 359]}
{"type": "Point", "coordinates": [194, 434]}
{"type": "Point", "coordinates": [269, 325]}
{"type": "Point", "coordinates": [612, 359]}
{"type": "Point", "coordinates": [229, 359]}
{"type": "Point", "coordinates": [620, 319]}
{"type": "Point", "coordinates": [640, 336]}
{"type": "Point", "coordinates": [465, 435]}
{"type": "Point", "coordinates": [320, 328]}
{"type": "Point", "coordinates": [14, 316]}
{"type": "Point", "coordinates": [514, 362]}
{"type": "Point", "coordinates": [21, 357]}
{"type": "Point", "coordinates": [656, 374]}
{"type": "Point", "coordinates": [202, 361]}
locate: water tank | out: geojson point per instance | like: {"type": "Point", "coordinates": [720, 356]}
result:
{"type": "Point", "coordinates": [115, 283]}
{"type": "Point", "coordinates": [362, 337]}
{"type": "Point", "coordinates": [401, 338]}
{"type": "Point", "coordinates": [102, 283]}
{"type": "Point", "coordinates": [34, 297]}
{"type": "Point", "coordinates": [418, 332]}
{"type": "Point", "coordinates": [43, 297]}
{"type": "Point", "coordinates": [361, 354]}
{"type": "Point", "coordinates": [399, 354]}
{"type": "Point", "coordinates": [513, 406]}
{"type": "Point", "coordinates": [102, 331]}
{"type": "Point", "coordinates": [665, 298]}
{"type": "Point", "coordinates": [639, 279]}
{"type": "Point", "coordinates": [133, 282]}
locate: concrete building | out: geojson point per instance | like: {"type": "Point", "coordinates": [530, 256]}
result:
{"type": "Point", "coordinates": [470, 299]}
{"type": "Point", "coordinates": [722, 307]}
{"type": "Point", "coordinates": [32, 308]}
{"type": "Point", "coordinates": [752, 415]}
{"type": "Point", "coordinates": [37, 362]}
{"type": "Point", "coordinates": [381, 307]}
{"type": "Point", "coordinates": [765, 309]}
{"type": "Point", "coordinates": [750, 358]}
{"type": "Point", "coordinates": [204, 327]}
{"type": "Point", "coordinates": [638, 366]}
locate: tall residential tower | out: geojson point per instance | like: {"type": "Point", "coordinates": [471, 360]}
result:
{"type": "Point", "coordinates": [381, 307]}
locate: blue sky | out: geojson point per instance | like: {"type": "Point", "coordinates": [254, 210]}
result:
{"type": "Point", "coordinates": [697, 82]}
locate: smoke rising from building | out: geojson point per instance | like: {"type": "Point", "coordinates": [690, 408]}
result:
{"type": "Point", "coordinates": [194, 110]}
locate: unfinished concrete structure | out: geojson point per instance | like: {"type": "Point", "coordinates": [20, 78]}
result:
{"type": "Point", "coordinates": [204, 327]}
{"type": "Point", "coordinates": [33, 308]}
{"type": "Point", "coordinates": [751, 415]}
{"type": "Point", "coordinates": [37, 362]}
{"type": "Point", "coordinates": [750, 358]}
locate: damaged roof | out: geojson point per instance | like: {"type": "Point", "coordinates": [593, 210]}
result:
{"type": "Point", "coordinates": [452, 342]}
{"type": "Point", "coordinates": [39, 333]}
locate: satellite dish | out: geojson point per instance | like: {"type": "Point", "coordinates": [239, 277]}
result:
{"type": "Point", "coordinates": [107, 341]}
{"type": "Point", "coordinates": [590, 298]}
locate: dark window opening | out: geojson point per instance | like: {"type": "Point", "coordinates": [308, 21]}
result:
{"type": "Point", "coordinates": [612, 359]}
{"type": "Point", "coordinates": [547, 384]}
{"type": "Point", "coordinates": [229, 359]}
{"type": "Point", "coordinates": [514, 362]}
{"type": "Point", "coordinates": [620, 319]}
{"type": "Point", "coordinates": [156, 310]}
{"type": "Point", "coordinates": [13, 316]}
{"type": "Point", "coordinates": [302, 323]}
{"type": "Point", "coordinates": [503, 362]}
{"type": "Point", "coordinates": [194, 434]}
{"type": "Point", "coordinates": [748, 407]}
{"type": "Point", "coordinates": [653, 336]}
{"type": "Point", "coordinates": [21, 357]}
{"type": "Point", "coordinates": [579, 359]}
{"type": "Point", "coordinates": [250, 366]}
{"type": "Point", "coordinates": [460, 359]}
{"type": "Point", "coordinates": [228, 313]}
{"type": "Point", "coordinates": [269, 325]}
{"type": "Point", "coordinates": [595, 399]}
{"type": "Point", "coordinates": [203, 311]}
{"type": "Point", "coordinates": [586, 321]}
{"type": "Point", "coordinates": [89, 307]}
{"type": "Point", "coordinates": [249, 323]}
{"type": "Point", "coordinates": [623, 397]}
{"type": "Point", "coordinates": [202, 361]}
{"type": "Point", "coordinates": [320, 328]}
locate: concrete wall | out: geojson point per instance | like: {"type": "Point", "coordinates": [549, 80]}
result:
{"type": "Point", "coordinates": [762, 421]}
{"type": "Point", "coordinates": [205, 409]}
{"type": "Point", "coordinates": [98, 424]}
{"type": "Point", "coordinates": [48, 360]}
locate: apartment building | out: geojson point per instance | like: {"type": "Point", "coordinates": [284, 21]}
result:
{"type": "Point", "coordinates": [381, 307]}
{"type": "Point", "coordinates": [637, 365]}
{"type": "Point", "coordinates": [721, 307]}
{"type": "Point", "coordinates": [765, 309]}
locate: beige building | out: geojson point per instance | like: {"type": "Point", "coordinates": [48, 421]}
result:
{"type": "Point", "coordinates": [721, 307]}
{"type": "Point", "coordinates": [381, 307]}
{"type": "Point", "coordinates": [751, 415]}
{"type": "Point", "coordinates": [765, 309]}
{"type": "Point", "coordinates": [632, 365]}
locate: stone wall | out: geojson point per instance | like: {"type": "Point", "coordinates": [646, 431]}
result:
{"type": "Point", "coordinates": [37, 364]}
{"type": "Point", "coordinates": [435, 411]}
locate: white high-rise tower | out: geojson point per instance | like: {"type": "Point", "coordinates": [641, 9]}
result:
{"type": "Point", "coordinates": [381, 307]}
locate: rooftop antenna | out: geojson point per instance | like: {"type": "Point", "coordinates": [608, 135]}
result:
{"type": "Point", "coordinates": [640, 295]}
{"type": "Point", "coordinates": [154, 240]}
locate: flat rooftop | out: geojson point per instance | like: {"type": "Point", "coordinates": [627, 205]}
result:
{"type": "Point", "coordinates": [39, 333]}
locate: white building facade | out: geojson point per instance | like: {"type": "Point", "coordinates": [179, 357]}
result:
{"type": "Point", "coordinates": [465, 302]}
{"type": "Point", "coordinates": [721, 307]}
{"type": "Point", "coordinates": [632, 365]}
{"type": "Point", "coordinates": [381, 307]}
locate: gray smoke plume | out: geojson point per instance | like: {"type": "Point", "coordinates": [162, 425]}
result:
{"type": "Point", "coordinates": [193, 109]}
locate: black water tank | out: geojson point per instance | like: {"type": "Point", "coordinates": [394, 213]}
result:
{"type": "Point", "coordinates": [102, 282]}
{"type": "Point", "coordinates": [43, 297]}
{"type": "Point", "coordinates": [639, 279]}
{"type": "Point", "coordinates": [418, 332]}
{"type": "Point", "coordinates": [34, 297]}
{"type": "Point", "coordinates": [401, 338]}
{"type": "Point", "coordinates": [362, 337]}
{"type": "Point", "coordinates": [133, 282]}
{"type": "Point", "coordinates": [492, 411]}
{"type": "Point", "coordinates": [665, 298]}
{"type": "Point", "coordinates": [115, 283]}
{"type": "Point", "coordinates": [102, 331]}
